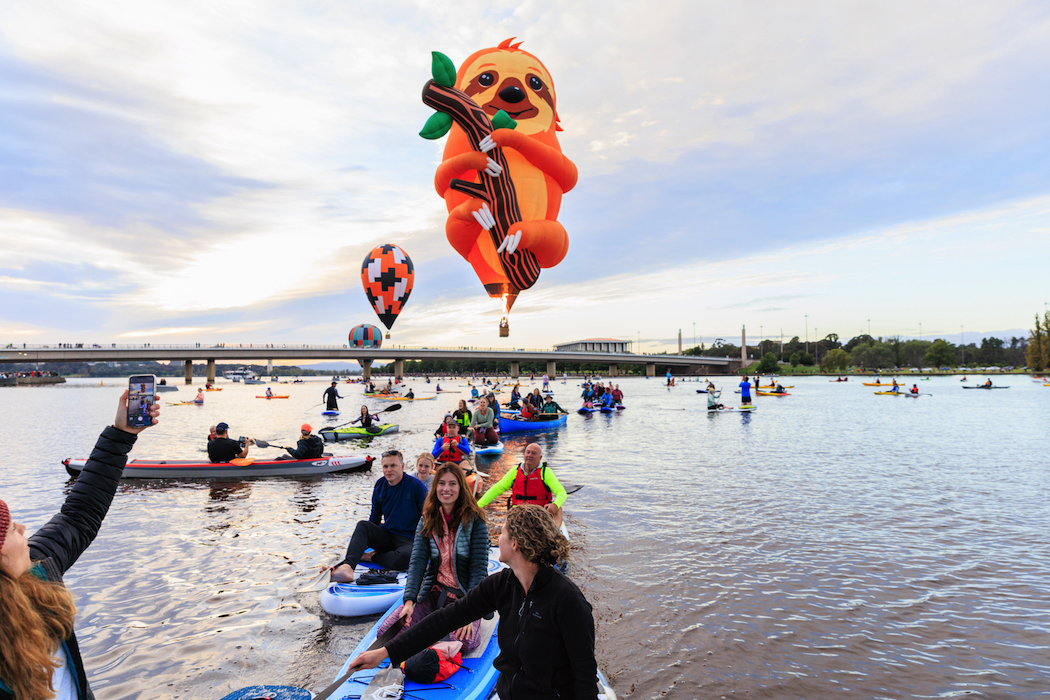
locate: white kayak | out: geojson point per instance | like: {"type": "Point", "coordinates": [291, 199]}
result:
{"type": "Point", "coordinates": [496, 449]}
{"type": "Point", "coordinates": [353, 599]}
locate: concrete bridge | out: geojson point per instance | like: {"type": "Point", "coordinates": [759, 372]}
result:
{"type": "Point", "coordinates": [258, 353]}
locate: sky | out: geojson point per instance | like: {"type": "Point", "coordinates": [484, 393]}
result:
{"type": "Point", "coordinates": [217, 171]}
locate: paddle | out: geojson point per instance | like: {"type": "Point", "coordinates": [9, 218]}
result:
{"type": "Point", "coordinates": [380, 642]}
{"type": "Point", "coordinates": [264, 444]}
{"type": "Point", "coordinates": [388, 409]}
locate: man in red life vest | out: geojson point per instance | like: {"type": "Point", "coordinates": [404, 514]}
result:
{"type": "Point", "coordinates": [451, 447]}
{"type": "Point", "coordinates": [532, 482]}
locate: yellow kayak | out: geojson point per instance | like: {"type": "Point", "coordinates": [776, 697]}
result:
{"type": "Point", "coordinates": [397, 398]}
{"type": "Point", "coordinates": [881, 384]}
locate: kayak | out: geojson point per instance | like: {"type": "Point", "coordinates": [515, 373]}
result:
{"type": "Point", "coordinates": [509, 425]}
{"type": "Point", "coordinates": [183, 469]}
{"type": "Point", "coordinates": [879, 384]}
{"type": "Point", "coordinates": [213, 389]}
{"type": "Point", "coordinates": [583, 410]}
{"type": "Point", "coordinates": [890, 393]}
{"type": "Point", "coordinates": [838, 381]}
{"type": "Point", "coordinates": [190, 403]}
{"type": "Point", "coordinates": [333, 412]}
{"type": "Point", "coordinates": [378, 394]}
{"type": "Point", "coordinates": [986, 387]}
{"type": "Point", "coordinates": [496, 449]}
{"type": "Point", "coordinates": [355, 432]}
{"type": "Point", "coordinates": [772, 393]}
{"type": "Point", "coordinates": [786, 386]}
{"type": "Point", "coordinates": [272, 397]}
{"type": "Point", "coordinates": [401, 398]}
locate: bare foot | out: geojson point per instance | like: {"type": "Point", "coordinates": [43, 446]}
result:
{"type": "Point", "coordinates": [343, 573]}
{"type": "Point", "coordinates": [367, 556]}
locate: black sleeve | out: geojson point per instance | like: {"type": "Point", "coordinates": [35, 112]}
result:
{"type": "Point", "coordinates": [479, 602]}
{"type": "Point", "coordinates": [65, 537]}
{"type": "Point", "coordinates": [301, 451]}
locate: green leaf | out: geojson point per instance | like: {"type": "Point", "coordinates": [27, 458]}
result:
{"type": "Point", "coordinates": [443, 70]}
{"type": "Point", "coordinates": [502, 120]}
{"type": "Point", "coordinates": [437, 126]}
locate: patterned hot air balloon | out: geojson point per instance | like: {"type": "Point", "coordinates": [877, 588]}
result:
{"type": "Point", "coordinates": [366, 336]}
{"type": "Point", "coordinates": [387, 275]}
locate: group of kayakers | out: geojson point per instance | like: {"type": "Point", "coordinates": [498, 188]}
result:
{"type": "Point", "coordinates": [439, 535]}
{"type": "Point", "coordinates": [598, 395]}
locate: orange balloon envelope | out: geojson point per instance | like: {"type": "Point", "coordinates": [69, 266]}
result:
{"type": "Point", "coordinates": [503, 173]}
{"type": "Point", "coordinates": [387, 275]}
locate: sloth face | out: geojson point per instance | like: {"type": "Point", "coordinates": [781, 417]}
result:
{"type": "Point", "coordinates": [515, 82]}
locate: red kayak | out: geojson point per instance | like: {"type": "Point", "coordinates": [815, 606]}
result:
{"type": "Point", "coordinates": [272, 397]}
{"type": "Point", "coordinates": [182, 469]}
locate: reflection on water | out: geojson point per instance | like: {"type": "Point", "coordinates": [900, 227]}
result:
{"type": "Point", "coordinates": [832, 543]}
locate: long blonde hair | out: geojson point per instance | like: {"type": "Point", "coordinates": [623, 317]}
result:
{"type": "Point", "coordinates": [36, 616]}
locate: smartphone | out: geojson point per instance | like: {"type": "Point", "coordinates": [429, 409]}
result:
{"type": "Point", "coordinates": [142, 392]}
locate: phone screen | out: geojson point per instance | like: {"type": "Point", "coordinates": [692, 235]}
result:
{"type": "Point", "coordinates": [141, 395]}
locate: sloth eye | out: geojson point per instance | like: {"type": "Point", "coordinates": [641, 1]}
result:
{"type": "Point", "coordinates": [535, 83]}
{"type": "Point", "coordinates": [486, 79]}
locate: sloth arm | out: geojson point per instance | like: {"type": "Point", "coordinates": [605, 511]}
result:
{"type": "Point", "coordinates": [456, 167]}
{"type": "Point", "coordinates": [550, 160]}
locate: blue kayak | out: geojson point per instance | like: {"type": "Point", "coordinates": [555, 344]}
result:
{"type": "Point", "coordinates": [507, 424]}
{"type": "Point", "coordinates": [489, 449]}
{"type": "Point", "coordinates": [583, 410]}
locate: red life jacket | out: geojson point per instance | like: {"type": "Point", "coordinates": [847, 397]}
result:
{"type": "Point", "coordinates": [450, 451]}
{"type": "Point", "coordinates": [530, 489]}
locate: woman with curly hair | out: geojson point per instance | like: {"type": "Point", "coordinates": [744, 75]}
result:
{"type": "Point", "coordinates": [39, 656]}
{"type": "Point", "coordinates": [450, 553]}
{"type": "Point", "coordinates": [546, 630]}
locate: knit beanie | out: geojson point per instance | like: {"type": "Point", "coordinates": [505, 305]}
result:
{"type": "Point", "coordinates": [5, 521]}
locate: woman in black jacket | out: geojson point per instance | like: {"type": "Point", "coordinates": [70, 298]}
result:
{"type": "Point", "coordinates": [546, 630]}
{"type": "Point", "coordinates": [39, 656]}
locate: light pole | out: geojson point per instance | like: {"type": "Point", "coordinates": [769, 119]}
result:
{"type": "Point", "coordinates": [807, 333]}
{"type": "Point", "coordinates": [816, 345]}
{"type": "Point", "coordinates": [920, 330]}
{"type": "Point", "coordinates": [760, 341]}
{"type": "Point", "coordinates": [869, 327]}
{"type": "Point", "coordinates": [962, 344]}
{"type": "Point", "coordinates": [639, 342]}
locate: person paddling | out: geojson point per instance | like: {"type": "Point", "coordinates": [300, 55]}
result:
{"type": "Point", "coordinates": [200, 396]}
{"type": "Point", "coordinates": [308, 447]}
{"type": "Point", "coordinates": [330, 395]}
{"type": "Point", "coordinates": [366, 418]}
{"type": "Point", "coordinates": [532, 482]}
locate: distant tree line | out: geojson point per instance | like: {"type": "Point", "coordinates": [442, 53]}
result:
{"type": "Point", "coordinates": [175, 369]}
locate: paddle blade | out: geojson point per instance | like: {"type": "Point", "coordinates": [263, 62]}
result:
{"type": "Point", "coordinates": [261, 443]}
{"type": "Point", "coordinates": [319, 582]}
{"type": "Point", "coordinates": [395, 407]}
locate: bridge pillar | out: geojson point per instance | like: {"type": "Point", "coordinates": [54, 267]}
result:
{"type": "Point", "coordinates": [399, 369]}
{"type": "Point", "coordinates": [211, 371]}
{"type": "Point", "coordinates": [515, 369]}
{"type": "Point", "coordinates": [650, 370]}
{"type": "Point", "coordinates": [189, 371]}
{"type": "Point", "coordinates": [269, 368]}
{"type": "Point", "coordinates": [552, 368]}
{"type": "Point", "coordinates": [366, 369]}
{"type": "Point", "coordinates": [612, 370]}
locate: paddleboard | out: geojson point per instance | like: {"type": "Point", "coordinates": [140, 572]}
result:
{"type": "Point", "coordinates": [329, 413]}
{"type": "Point", "coordinates": [490, 449]}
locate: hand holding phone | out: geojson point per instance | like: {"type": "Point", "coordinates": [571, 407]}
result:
{"type": "Point", "coordinates": [142, 395]}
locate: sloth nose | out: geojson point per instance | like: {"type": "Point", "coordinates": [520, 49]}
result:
{"type": "Point", "coordinates": [512, 94]}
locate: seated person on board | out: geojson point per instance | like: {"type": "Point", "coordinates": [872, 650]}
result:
{"type": "Point", "coordinates": [551, 406]}
{"type": "Point", "coordinates": [462, 415]}
{"type": "Point", "coordinates": [410, 395]}
{"type": "Point", "coordinates": [712, 400]}
{"type": "Point", "coordinates": [531, 482]}
{"type": "Point", "coordinates": [474, 392]}
{"type": "Point", "coordinates": [450, 554]}
{"type": "Point", "coordinates": [223, 449]}
{"type": "Point", "coordinates": [451, 447]}
{"type": "Point", "coordinates": [397, 502]}
{"type": "Point", "coordinates": [442, 430]}
{"type": "Point", "coordinates": [309, 446]}
{"type": "Point", "coordinates": [483, 424]}
{"type": "Point", "coordinates": [914, 388]}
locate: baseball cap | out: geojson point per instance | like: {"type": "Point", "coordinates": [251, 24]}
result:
{"type": "Point", "coordinates": [221, 428]}
{"type": "Point", "coordinates": [307, 428]}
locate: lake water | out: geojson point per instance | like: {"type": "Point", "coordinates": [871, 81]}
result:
{"type": "Point", "coordinates": [833, 543]}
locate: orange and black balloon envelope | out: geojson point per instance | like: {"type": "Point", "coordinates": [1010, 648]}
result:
{"type": "Point", "coordinates": [387, 275]}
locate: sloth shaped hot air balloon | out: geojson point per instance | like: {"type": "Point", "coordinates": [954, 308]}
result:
{"type": "Point", "coordinates": [387, 275]}
{"type": "Point", "coordinates": [503, 173]}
